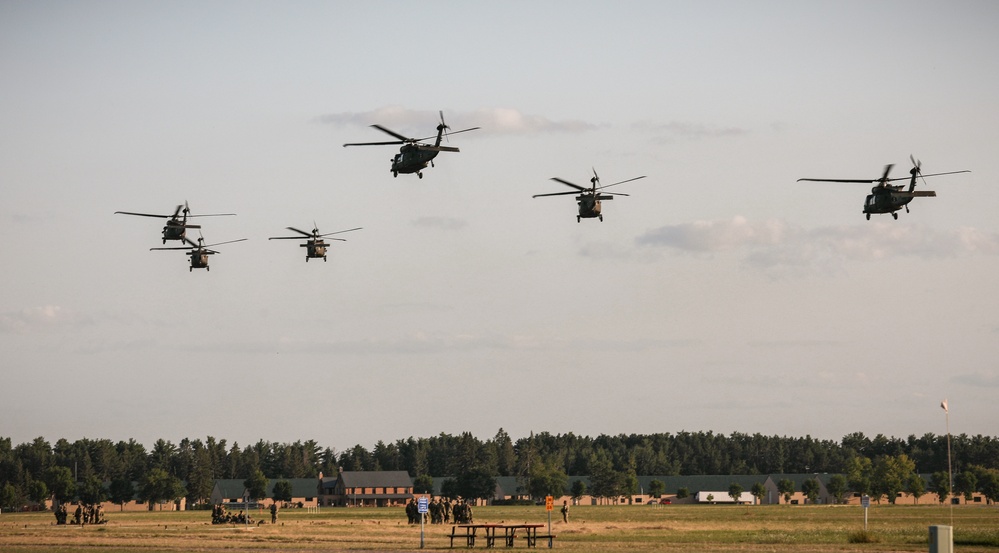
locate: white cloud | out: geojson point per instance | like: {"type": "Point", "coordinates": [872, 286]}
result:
{"type": "Point", "coordinates": [981, 379]}
{"type": "Point", "coordinates": [440, 223]}
{"type": "Point", "coordinates": [772, 243]}
{"type": "Point", "coordinates": [34, 318]}
{"type": "Point", "coordinates": [493, 120]}
{"type": "Point", "coordinates": [686, 130]}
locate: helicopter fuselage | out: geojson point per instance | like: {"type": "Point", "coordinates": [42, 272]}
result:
{"type": "Point", "coordinates": [411, 159]}
{"type": "Point", "coordinates": [315, 249]}
{"type": "Point", "coordinates": [590, 207]}
{"type": "Point", "coordinates": [199, 260]}
{"type": "Point", "coordinates": [885, 200]}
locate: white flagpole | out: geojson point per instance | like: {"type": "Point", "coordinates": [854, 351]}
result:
{"type": "Point", "coordinates": [950, 469]}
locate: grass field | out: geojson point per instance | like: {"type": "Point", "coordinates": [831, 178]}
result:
{"type": "Point", "coordinates": [715, 528]}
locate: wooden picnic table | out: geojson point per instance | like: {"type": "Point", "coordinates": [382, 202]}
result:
{"type": "Point", "coordinates": [530, 531]}
{"type": "Point", "coordinates": [470, 533]}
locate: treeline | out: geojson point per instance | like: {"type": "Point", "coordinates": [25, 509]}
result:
{"type": "Point", "coordinates": [39, 469]}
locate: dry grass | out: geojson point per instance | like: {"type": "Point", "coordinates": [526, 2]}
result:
{"type": "Point", "coordinates": [591, 529]}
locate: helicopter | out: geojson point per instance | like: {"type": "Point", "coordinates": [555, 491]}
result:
{"type": "Point", "coordinates": [414, 156]}
{"type": "Point", "coordinates": [176, 225]}
{"type": "Point", "coordinates": [199, 252]}
{"type": "Point", "coordinates": [887, 198]}
{"type": "Point", "coordinates": [315, 245]}
{"type": "Point", "coordinates": [589, 199]}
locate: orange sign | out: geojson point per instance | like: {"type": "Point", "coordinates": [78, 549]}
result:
{"type": "Point", "coordinates": [548, 503]}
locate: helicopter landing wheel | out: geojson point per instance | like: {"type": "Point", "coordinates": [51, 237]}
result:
{"type": "Point", "coordinates": [895, 216]}
{"type": "Point", "coordinates": [420, 175]}
{"type": "Point", "coordinates": [190, 269]}
{"type": "Point", "coordinates": [324, 259]}
{"type": "Point", "coordinates": [578, 219]}
{"type": "Point", "coordinates": [868, 216]}
{"type": "Point", "coordinates": [395, 174]}
{"type": "Point", "coordinates": [207, 268]}
{"type": "Point", "coordinates": [306, 259]}
{"type": "Point", "coordinates": [601, 218]}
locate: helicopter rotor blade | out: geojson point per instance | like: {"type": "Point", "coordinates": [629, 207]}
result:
{"type": "Point", "coordinates": [220, 243]}
{"type": "Point", "coordinates": [567, 183]}
{"type": "Point", "coordinates": [427, 148]}
{"type": "Point", "coordinates": [617, 183]}
{"type": "Point", "coordinates": [947, 173]}
{"type": "Point", "coordinates": [339, 232]}
{"type": "Point", "coordinates": [143, 214]}
{"type": "Point", "coordinates": [374, 143]}
{"type": "Point", "coordinates": [859, 181]}
{"type": "Point", "coordinates": [556, 194]}
{"type": "Point", "coordinates": [390, 132]}
{"type": "Point", "coordinates": [302, 232]}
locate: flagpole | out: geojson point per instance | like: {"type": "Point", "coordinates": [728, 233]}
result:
{"type": "Point", "coordinates": [950, 468]}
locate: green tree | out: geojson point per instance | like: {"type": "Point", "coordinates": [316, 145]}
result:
{"type": "Point", "coordinates": [604, 480]}
{"type": "Point", "coordinates": [578, 489]}
{"type": "Point", "coordinates": [256, 485]}
{"type": "Point", "coordinates": [282, 491]}
{"type": "Point", "coordinates": [988, 483]}
{"type": "Point", "coordinates": [121, 491]}
{"type": "Point", "coordinates": [158, 486]}
{"type": "Point", "coordinates": [546, 480]}
{"type": "Point", "coordinates": [966, 484]}
{"type": "Point", "coordinates": [38, 491]}
{"type": "Point", "coordinates": [759, 491]}
{"type": "Point", "coordinates": [940, 485]}
{"type": "Point", "coordinates": [60, 483]}
{"type": "Point", "coordinates": [858, 475]}
{"type": "Point", "coordinates": [916, 487]}
{"type": "Point", "coordinates": [890, 475]}
{"type": "Point", "coordinates": [682, 493]}
{"type": "Point", "coordinates": [449, 488]}
{"type": "Point", "coordinates": [10, 498]}
{"type": "Point", "coordinates": [837, 487]}
{"type": "Point", "coordinates": [423, 483]}
{"type": "Point", "coordinates": [786, 488]}
{"type": "Point", "coordinates": [811, 489]}
{"type": "Point", "coordinates": [657, 488]}
{"type": "Point", "coordinates": [735, 491]}
{"type": "Point", "coordinates": [91, 490]}
{"type": "Point", "coordinates": [476, 483]}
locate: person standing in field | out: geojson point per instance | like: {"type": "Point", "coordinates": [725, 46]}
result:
{"type": "Point", "coordinates": [565, 511]}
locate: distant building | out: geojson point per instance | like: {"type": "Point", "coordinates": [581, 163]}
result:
{"type": "Point", "coordinates": [367, 489]}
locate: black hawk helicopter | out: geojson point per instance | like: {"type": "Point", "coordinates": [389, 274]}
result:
{"type": "Point", "coordinates": [414, 156]}
{"type": "Point", "coordinates": [589, 198]}
{"type": "Point", "coordinates": [315, 244]}
{"type": "Point", "coordinates": [887, 198]}
{"type": "Point", "coordinates": [176, 225]}
{"type": "Point", "coordinates": [199, 252]}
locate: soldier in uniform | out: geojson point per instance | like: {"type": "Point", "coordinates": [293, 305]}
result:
{"type": "Point", "coordinates": [565, 511]}
{"type": "Point", "coordinates": [274, 510]}
{"type": "Point", "coordinates": [78, 514]}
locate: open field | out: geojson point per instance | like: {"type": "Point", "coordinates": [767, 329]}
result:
{"type": "Point", "coordinates": [716, 528]}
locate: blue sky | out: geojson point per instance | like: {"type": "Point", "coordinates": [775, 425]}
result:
{"type": "Point", "coordinates": [719, 295]}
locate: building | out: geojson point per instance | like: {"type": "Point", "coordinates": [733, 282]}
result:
{"type": "Point", "coordinates": [367, 489]}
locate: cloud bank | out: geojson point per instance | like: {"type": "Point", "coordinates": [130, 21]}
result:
{"type": "Point", "coordinates": [495, 120]}
{"type": "Point", "coordinates": [774, 243]}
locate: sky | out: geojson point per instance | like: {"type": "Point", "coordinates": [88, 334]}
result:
{"type": "Point", "coordinates": [720, 295]}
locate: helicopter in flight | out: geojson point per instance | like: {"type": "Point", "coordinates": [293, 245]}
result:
{"type": "Point", "coordinates": [589, 198]}
{"type": "Point", "coordinates": [414, 156]}
{"type": "Point", "coordinates": [176, 225]}
{"type": "Point", "coordinates": [888, 198]}
{"type": "Point", "coordinates": [315, 244]}
{"type": "Point", "coordinates": [199, 251]}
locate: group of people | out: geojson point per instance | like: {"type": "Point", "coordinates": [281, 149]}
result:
{"type": "Point", "coordinates": [84, 514]}
{"type": "Point", "coordinates": [220, 515]}
{"type": "Point", "coordinates": [441, 511]}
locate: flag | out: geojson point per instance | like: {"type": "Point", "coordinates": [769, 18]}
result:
{"type": "Point", "coordinates": [943, 404]}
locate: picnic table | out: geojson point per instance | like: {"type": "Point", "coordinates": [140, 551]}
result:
{"type": "Point", "coordinates": [469, 532]}
{"type": "Point", "coordinates": [530, 531]}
